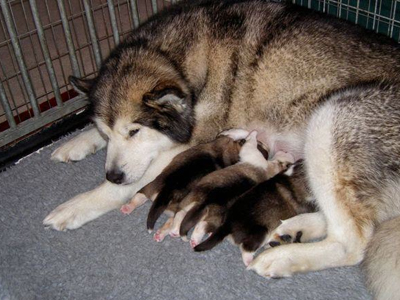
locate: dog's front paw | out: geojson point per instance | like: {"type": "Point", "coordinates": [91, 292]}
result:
{"type": "Point", "coordinates": [69, 215]}
{"type": "Point", "coordinates": [79, 147]}
{"type": "Point", "coordinates": [275, 263]}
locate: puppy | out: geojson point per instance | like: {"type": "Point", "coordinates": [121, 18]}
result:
{"type": "Point", "coordinates": [260, 210]}
{"type": "Point", "coordinates": [185, 170]}
{"type": "Point", "coordinates": [207, 204]}
{"type": "Point", "coordinates": [187, 173]}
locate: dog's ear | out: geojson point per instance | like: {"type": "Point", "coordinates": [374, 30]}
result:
{"type": "Point", "coordinates": [82, 86]}
{"type": "Point", "coordinates": [166, 97]}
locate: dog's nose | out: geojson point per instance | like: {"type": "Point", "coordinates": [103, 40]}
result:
{"type": "Point", "coordinates": [116, 177]}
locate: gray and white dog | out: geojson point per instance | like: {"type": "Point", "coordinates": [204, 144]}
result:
{"type": "Point", "coordinates": [202, 67]}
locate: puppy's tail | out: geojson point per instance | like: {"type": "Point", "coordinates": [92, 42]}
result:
{"type": "Point", "coordinates": [191, 219]}
{"type": "Point", "coordinates": [216, 238]}
{"type": "Point", "coordinates": [157, 208]}
{"type": "Point", "coordinates": [382, 261]}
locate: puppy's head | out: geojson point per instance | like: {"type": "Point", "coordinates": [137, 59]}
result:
{"type": "Point", "coordinates": [250, 152]}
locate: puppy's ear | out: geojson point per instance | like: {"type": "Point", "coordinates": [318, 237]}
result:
{"type": "Point", "coordinates": [165, 98]}
{"type": "Point", "coordinates": [82, 86]}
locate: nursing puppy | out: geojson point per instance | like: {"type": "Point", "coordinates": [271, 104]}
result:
{"type": "Point", "coordinates": [185, 170]}
{"type": "Point", "coordinates": [178, 183]}
{"type": "Point", "coordinates": [260, 210]}
{"type": "Point", "coordinates": [207, 204]}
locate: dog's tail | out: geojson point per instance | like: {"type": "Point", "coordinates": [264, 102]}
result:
{"type": "Point", "coordinates": [157, 208]}
{"type": "Point", "coordinates": [382, 261]}
{"type": "Point", "coordinates": [193, 217]}
{"type": "Point", "coordinates": [216, 238]}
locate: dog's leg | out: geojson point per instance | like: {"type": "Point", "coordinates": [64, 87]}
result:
{"type": "Point", "coordinates": [88, 142]}
{"type": "Point", "coordinates": [299, 229]}
{"type": "Point", "coordinates": [164, 230]}
{"type": "Point", "coordinates": [106, 197]}
{"type": "Point", "coordinates": [349, 224]}
{"type": "Point", "coordinates": [89, 206]}
{"type": "Point", "coordinates": [198, 233]}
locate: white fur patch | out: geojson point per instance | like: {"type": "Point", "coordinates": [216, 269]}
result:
{"type": "Point", "coordinates": [86, 143]}
{"type": "Point", "coordinates": [132, 155]}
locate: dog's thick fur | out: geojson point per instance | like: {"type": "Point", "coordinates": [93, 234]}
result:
{"type": "Point", "coordinates": [205, 66]}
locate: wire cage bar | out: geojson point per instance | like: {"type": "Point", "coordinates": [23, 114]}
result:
{"type": "Point", "coordinates": [43, 42]}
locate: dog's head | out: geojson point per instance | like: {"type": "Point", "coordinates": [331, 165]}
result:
{"type": "Point", "coordinates": [142, 106]}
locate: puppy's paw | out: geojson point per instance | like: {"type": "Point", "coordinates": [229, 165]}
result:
{"type": "Point", "coordinates": [174, 234]}
{"type": "Point", "coordinates": [285, 234]}
{"type": "Point", "coordinates": [159, 236]}
{"type": "Point", "coordinates": [247, 258]}
{"type": "Point", "coordinates": [284, 157]}
{"type": "Point", "coordinates": [277, 240]}
{"type": "Point", "coordinates": [126, 209]}
{"type": "Point", "coordinates": [193, 243]}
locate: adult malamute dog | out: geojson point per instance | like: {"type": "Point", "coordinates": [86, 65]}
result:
{"type": "Point", "coordinates": [205, 66]}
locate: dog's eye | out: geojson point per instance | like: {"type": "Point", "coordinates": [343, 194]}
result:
{"type": "Point", "coordinates": [133, 132]}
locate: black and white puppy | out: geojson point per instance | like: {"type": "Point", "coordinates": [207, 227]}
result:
{"type": "Point", "coordinates": [206, 205]}
{"type": "Point", "coordinates": [256, 213]}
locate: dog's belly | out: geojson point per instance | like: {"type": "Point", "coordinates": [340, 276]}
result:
{"type": "Point", "coordinates": [289, 141]}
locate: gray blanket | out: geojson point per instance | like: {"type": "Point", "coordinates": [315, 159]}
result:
{"type": "Point", "coordinates": [115, 258]}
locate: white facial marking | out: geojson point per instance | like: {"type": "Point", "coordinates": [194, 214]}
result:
{"type": "Point", "coordinates": [132, 147]}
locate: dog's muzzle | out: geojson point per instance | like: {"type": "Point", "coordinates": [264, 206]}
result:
{"type": "Point", "coordinates": [116, 177]}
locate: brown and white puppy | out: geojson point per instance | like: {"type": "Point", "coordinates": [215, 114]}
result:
{"type": "Point", "coordinates": [185, 170]}
{"type": "Point", "coordinates": [207, 204]}
{"type": "Point", "coordinates": [253, 216]}
{"type": "Point", "coordinates": [183, 174]}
